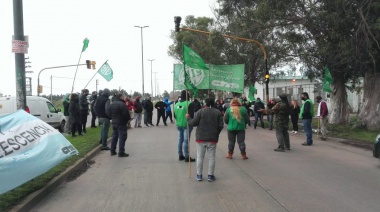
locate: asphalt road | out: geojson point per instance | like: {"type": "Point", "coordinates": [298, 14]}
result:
{"type": "Point", "coordinates": [327, 176]}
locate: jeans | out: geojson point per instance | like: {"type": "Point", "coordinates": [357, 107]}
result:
{"type": "Point", "coordinates": [234, 135]}
{"type": "Point", "coordinates": [169, 114]}
{"type": "Point", "coordinates": [307, 127]}
{"type": "Point", "coordinates": [183, 142]}
{"type": "Point", "coordinates": [201, 150]}
{"type": "Point", "coordinates": [138, 119]}
{"type": "Point", "coordinates": [119, 134]}
{"type": "Point", "coordinates": [270, 120]}
{"type": "Point", "coordinates": [105, 123]}
{"type": "Point", "coordinates": [146, 118]}
{"type": "Point", "coordinates": [257, 117]}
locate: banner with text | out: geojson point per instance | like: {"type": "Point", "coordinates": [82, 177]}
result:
{"type": "Point", "coordinates": [29, 147]}
{"type": "Point", "coordinates": [219, 77]}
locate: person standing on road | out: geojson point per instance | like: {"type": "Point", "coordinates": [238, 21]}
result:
{"type": "Point", "coordinates": [246, 104]}
{"type": "Point", "coordinates": [83, 103]}
{"type": "Point", "coordinates": [236, 118]}
{"type": "Point", "coordinates": [131, 107]}
{"type": "Point", "coordinates": [160, 107]}
{"type": "Point", "coordinates": [281, 110]}
{"type": "Point", "coordinates": [270, 105]}
{"type": "Point", "coordinates": [101, 107]}
{"type": "Point", "coordinates": [93, 97]}
{"type": "Point", "coordinates": [138, 111]}
{"type": "Point", "coordinates": [148, 109]}
{"type": "Point", "coordinates": [66, 113]}
{"type": "Point", "coordinates": [119, 114]}
{"type": "Point", "coordinates": [306, 114]}
{"type": "Point", "coordinates": [75, 117]}
{"type": "Point", "coordinates": [180, 110]}
{"type": "Point", "coordinates": [168, 110]}
{"type": "Point", "coordinates": [209, 122]}
{"type": "Point", "coordinates": [258, 115]}
{"type": "Point", "coordinates": [322, 115]}
{"type": "Point", "coordinates": [294, 113]}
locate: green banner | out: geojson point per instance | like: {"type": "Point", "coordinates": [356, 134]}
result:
{"type": "Point", "coordinates": [219, 77]}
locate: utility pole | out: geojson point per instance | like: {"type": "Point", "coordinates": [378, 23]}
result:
{"type": "Point", "coordinates": [142, 56]}
{"type": "Point", "coordinates": [18, 25]}
{"type": "Point", "coordinates": [151, 76]}
{"type": "Point", "coordinates": [155, 83]}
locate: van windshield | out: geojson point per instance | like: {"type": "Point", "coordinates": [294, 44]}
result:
{"type": "Point", "coordinates": [51, 107]}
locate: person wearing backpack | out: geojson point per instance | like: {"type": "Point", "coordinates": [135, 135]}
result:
{"type": "Point", "coordinates": [322, 114]}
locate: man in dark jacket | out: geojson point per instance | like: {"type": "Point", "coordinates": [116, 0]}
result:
{"type": "Point", "coordinates": [246, 104]}
{"type": "Point", "coordinates": [101, 107]}
{"type": "Point", "coordinates": [119, 114]}
{"type": "Point", "coordinates": [148, 109]}
{"type": "Point", "coordinates": [306, 114]}
{"type": "Point", "coordinates": [160, 106]}
{"type": "Point", "coordinates": [74, 111]}
{"type": "Point", "coordinates": [83, 103]}
{"type": "Point", "coordinates": [93, 97]}
{"type": "Point", "coordinates": [66, 105]}
{"type": "Point", "coordinates": [138, 112]}
{"type": "Point", "coordinates": [258, 115]}
{"type": "Point", "coordinates": [210, 123]}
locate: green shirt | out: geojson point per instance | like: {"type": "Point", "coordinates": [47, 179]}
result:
{"type": "Point", "coordinates": [180, 111]}
{"type": "Point", "coordinates": [233, 123]}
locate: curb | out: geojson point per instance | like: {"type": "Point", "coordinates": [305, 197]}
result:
{"type": "Point", "coordinates": [33, 199]}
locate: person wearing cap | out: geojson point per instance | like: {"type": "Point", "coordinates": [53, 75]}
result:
{"type": "Point", "coordinates": [322, 114]}
{"type": "Point", "coordinates": [281, 111]}
{"type": "Point", "coordinates": [306, 114]}
{"type": "Point", "coordinates": [138, 111]}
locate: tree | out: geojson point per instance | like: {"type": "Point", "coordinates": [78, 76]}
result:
{"type": "Point", "coordinates": [165, 94]}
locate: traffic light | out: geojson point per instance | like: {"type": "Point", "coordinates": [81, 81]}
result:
{"type": "Point", "coordinates": [177, 21]}
{"type": "Point", "coordinates": [40, 89]}
{"type": "Point", "coordinates": [93, 63]}
{"type": "Point", "coordinates": [88, 63]}
{"type": "Point", "coordinates": [267, 77]}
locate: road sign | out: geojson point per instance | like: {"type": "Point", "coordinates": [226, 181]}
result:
{"type": "Point", "coordinates": [20, 46]}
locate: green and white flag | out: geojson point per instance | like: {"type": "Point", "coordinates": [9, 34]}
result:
{"type": "Point", "coordinates": [85, 44]}
{"type": "Point", "coordinates": [192, 59]}
{"type": "Point", "coordinates": [327, 81]}
{"type": "Point", "coordinates": [106, 71]}
{"type": "Point", "coordinates": [252, 91]}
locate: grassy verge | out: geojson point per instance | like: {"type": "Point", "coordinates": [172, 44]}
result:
{"type": "Point", "coordinates": [83, 144]}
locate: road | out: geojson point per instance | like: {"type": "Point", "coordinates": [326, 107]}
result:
{"type": "Point", "coordinates": [327, 176]}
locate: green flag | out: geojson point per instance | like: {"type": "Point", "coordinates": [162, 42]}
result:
{"type": "Point", "coordinates": [327, 80]}
{"type": "Point", "coordinates": [189, 85]}
{"type": "Point", "coordinates": [106, 71]}
{"type": "Point", "coordinates": [85, 44]}
{"type": "Point", "coordinates": [192, 59]}
{"type": "Point", "coordinates": [252, 91]}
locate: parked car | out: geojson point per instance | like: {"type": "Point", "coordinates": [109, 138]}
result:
{"type": "Point", "coordinates": [376, 147]}
{"type": "Point", "coordinates": [37, 106]}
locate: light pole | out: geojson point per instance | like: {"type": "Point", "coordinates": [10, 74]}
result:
{"type": "Point", "coordinates": [151, 77]}
{"type": "Point", "coordinates": [155, 83]}
{"type": "Point", "coordinates": [142, 56]}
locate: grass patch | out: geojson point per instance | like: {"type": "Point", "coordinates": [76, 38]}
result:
{"type": "Point", "coordinates": [83, 144]}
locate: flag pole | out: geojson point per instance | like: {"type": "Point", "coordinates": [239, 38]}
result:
{"type": "Point", "coordinates": [187, 112]}
{"type": "Point", "coordinates": [94, 75]}
{"type": "Point", "coordinates": [85, 45]}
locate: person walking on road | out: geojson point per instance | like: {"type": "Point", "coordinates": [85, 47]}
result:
{"type": "Point", "coordinates": [75, 117]}
{"type": "Point", "coordinates": [83, 103]}
{"type": "Point", "coordinates": [258, 115]}
{"type": "Point", "coordinates": [180, 110]}
{"type": "Point", "coordinates": [138, 111]}
{"type": "Point", "coordinates": [294, 113]}
{"type": "Point", "coordinates": [322, 115]}
{"type": "Point", "coordinates": [168, 110]}
{"type": "Point", "coordinates": [281, 111]}
{"type": "Point", "coordinates": [306, 114]}
{"type": "Point", "coordinates": [209, 122]}
{"type": "Point", "coordinates": [148, 109]}
{"type": "Point", "coordinates": [66, 113]}
{"type": "Point", "coordinates": [160, 107]}
{"type": "Point", "coordinates": [101, 108]}
{"type": "Point", "coordinates": [236, 118]}
{"type": "Point", "coordinates": [119, 114]}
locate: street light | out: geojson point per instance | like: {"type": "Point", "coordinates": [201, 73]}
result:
{"type": "Point", "coordinates": [151, 77]}
{"type": "Point", "coordinates": [155, 83]}
{"type": "Point", "coordinates": [142, 56]}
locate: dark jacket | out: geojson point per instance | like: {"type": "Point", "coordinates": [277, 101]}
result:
{"type": "Point", "coordinates": [74, 110]}
{"type": "Point", "coordinates": [209, 122]}
{"type": "Point", "coordinates": [258, 105]}
{"type": "Point", "coordinates": [307, 114]}
{"type": "Point", "coordinates": [161, 105]}
{"type": "Point", "coordinates": [93, 100]}
{"type": "Point", "coordinates": [83, 103]}
{"type": "Point", "coordinates": [281, 113]}
{"type": "Point", "coordinates": [148, 106]}
{"type": "Point", "coordinates": [119, 113]}
{"type": "Point", "coordinates": [102, 103]}
{"type": "Point", "coordinates": [197, 105]}
{"type": "Point", "coordinates": [138, 106]}
{"type": "Point", "coordinates": [66, 105]}
{"type": "Point", "coordinates": [294, 111]}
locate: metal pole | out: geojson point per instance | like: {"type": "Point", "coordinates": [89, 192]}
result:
{"type": "Point", "coordinates": [18, 25]}
{"type": "Point", "coordinates": [155, 83]}
{"type": "Point", "coordinates": [142, 56]}
{"type": "Point", "coordinates": [151, 77]}
{"type": "Point", "coordinates": [38, 79]}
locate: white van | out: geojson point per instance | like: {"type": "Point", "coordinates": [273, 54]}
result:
{"type": "Point", "coordinates": [37, 106]}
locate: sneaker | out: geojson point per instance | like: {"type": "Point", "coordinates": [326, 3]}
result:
{"type": "Point", "coordinates": [306, 144]}
{"type": "Point", "coordinates": [123, 154]}
{"type": "Point", "coordinates": [279, 149]}
{"type": "Point", "coordinates": [113, 153]}
{"type": "Point", "coordinates": [191, 159]}
{"type": "Point", "coordinates": [199, 177]}
{"type": "Point", "coordinates": [181, 158]}
{"type": "Point", "coordinates": [105, 148]}
{"type": "Point", "coordinates": [211, 178]}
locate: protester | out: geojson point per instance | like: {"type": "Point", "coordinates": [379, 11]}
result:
{"type": "Point", "coordinates": [209, 122]}
{"type": "Point", "coordinates": [281, 110]}
{"type": "Point", "coordinates": [306, 114]}
{"type": "Point", "coordinates": [131, 107]}
{"type": "Point", "coordinates": [145, 113]}
{"type": "Point", "coordinates": [148, 110]}
{"type": "Point", "coordinates": [180, 111]}
{"type": "Point", "coordinates": [294, 113]}
{"type": "Point", "coordinates": [219, 106]}
{"type": "Point", "coordinates": [168, 110]}
{"type": "Point", "coordinates": [75, 118]}
{"type": "Point", "coordinates": [245, 103]}
{"type": "Point", "coordinates": [258, 115]}
{"type": "Point", "coordinates": [236, 118]}
{"type": "Point", "coordinates": [66, 113]}
{"type": "Point", "coordinates": [99, 95]}
{"type": "Point", "coordinates": [270, 105]}
{"type": "Point", "coordinates": [83, 103]}
{"type": "Point", "coordinates": [197, 105]}
{"type": "Point", "coordinates": [322, 115]}
{"type": "Point", "coordinates": [160, 107]}
{"type": "Point", "coordinates": [119, 114]}
{"type": "Point", "coordinates": [93, 97]}
{"type": "Point", "coordinates": [138, 111]}
{"type": "Point", "coordinates": [101, 107]}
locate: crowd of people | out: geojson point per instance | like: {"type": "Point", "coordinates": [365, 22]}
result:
{"type": "Point", "coordinates": [209, 117]}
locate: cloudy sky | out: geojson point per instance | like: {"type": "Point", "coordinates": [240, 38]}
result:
{"type": "Point", "coordinates": [56, 31]}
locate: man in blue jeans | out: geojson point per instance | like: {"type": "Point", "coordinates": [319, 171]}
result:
{"type": "Point", "coordinates": [306, 114]}
{"type": "Point", "coordinates": [101, 106]}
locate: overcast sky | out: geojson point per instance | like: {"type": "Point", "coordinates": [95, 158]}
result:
{"type": "Point", "coordinates": [56, 31]}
